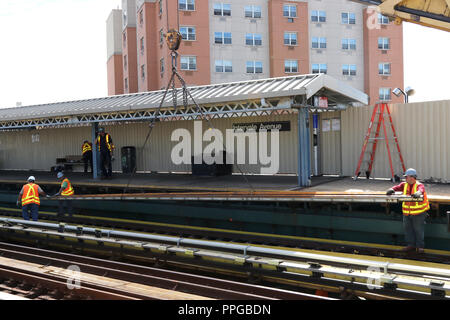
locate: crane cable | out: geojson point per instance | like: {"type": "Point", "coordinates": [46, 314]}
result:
{"type": "Point", "coordinates": [186, 93]}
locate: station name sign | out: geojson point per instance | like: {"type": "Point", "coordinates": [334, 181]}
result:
{"type": "Point", "coordinates": [257, 126]}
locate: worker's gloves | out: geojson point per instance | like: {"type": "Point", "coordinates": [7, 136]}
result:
{"type": "Point", "coordinates": [18, 203]}
{"type": "Point", "coordinates": [390, 192]}
{"type": "Point", "coordinates": [47, 196]}
{"type": "Point", "coordinates": [417, 194]}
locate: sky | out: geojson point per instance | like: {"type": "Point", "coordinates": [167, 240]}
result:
{"type": "Point", "coordinates": [55, 50]}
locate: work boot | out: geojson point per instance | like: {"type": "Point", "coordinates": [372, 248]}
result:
{"type": "Point", "coordinates": [408, 249]}
{"type": "Point", "coordinates": [420, 250]}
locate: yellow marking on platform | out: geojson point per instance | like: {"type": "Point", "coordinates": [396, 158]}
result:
{"type": "Point", "coordinates": [137, 186]}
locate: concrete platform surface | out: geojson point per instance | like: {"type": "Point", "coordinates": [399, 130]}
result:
{"type": "Point", "coordinates": [236, 182]}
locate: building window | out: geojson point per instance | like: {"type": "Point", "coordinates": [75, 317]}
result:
{"type": "Point", "coordinates": [319, 68]}
{"type": "Point", "coordinates": [161, 36]}
{"type": "Point", "coordinates": [253, 39]}
{"type": "Point", "coordinates": [254, 67]}
{"type": "Point", "coordinates": [142, 45]}
{"type": "Point", "coordinates": [383, 43]}
{"type": "Point", "coordinates": [384, 68]}
{"type": "Point", "coordinates": [348, 44]}
{"type": "Point", "coordinates": [290, 66]}
{"type": "Point", "coordinates": [349, 69]}
{"type": "Point", "coordinates": [161, 65]}
{"type": "Point", "coordinates": [252, 11]}
{"type": "Point", "coordinates": [141, 17]}
{"type": "Point", "coordinates": [188, 33]}
{"type": "Point", "coordinates": [126, 84]}
{"type": "Point", "coordinates": [318, 16]}
{"type": "Point", "coordinates": [222, 9]}
{"type": "Point", "coordinates": [289, 11]}
{"type": "Point", "coordinates": [186, 5]}
{"type": "Point", "coordinates": [382, 19]}
{"type": "Point", "coordinates": [125, 63]}
{"type": "Point", "coordinates": [188, 63]}
{"type": "Point", "coordinates": [224, 66]}
{"type": "Point", "coordinates": [160, 7]}
{"type": "Point", "coordinates": [124, 39]}
{"type": "Point", "coordinates": [143, 72]}
{"type": "Point", "coordinates": [385, 94]}
{"type": "Point", "coordinates": [319, 43]}
{"type": "Point", "coordinates": [290, 38]}
{"type": "Point", "coordinates": [348, 18]}
{"type": "Point", "coordinates": [222, 37]}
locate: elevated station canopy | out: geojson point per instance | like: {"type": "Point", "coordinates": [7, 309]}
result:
{"type": "Point", "coordinates": [245, 98]}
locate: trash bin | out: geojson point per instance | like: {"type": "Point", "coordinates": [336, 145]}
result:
{"type": "Point", "coordinates": [128, 159]}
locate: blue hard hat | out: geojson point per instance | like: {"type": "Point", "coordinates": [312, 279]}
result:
{"type": "Point", "coordinates": [411, 172]}
{"type": "Point", "coordinates": [60, 175]}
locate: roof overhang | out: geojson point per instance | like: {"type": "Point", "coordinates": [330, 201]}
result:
{"type": "Point", "coordinates": [218, 100]}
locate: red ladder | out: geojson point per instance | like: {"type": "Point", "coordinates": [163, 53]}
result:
{"type": "Point", "coordinates": [380, 109]}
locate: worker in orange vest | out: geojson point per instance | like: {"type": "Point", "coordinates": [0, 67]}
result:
{"type": "Point", "coordinates": [29, 198]}
{"type": "Point", "coordinates": [65, 191]}
{"type": "Point", "coordinates": [414, 213]}
{"type": "Point", "coordinates": [86, 149]}
{"type": "Point", "coordinates": [106, 148]}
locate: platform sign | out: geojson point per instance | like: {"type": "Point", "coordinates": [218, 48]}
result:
{"type": "Point", "coordinates": [321, 102]}
{"type": "Point", "coordinates": [326, 125]}
{"type": "Point", "coordinates": [257, 126]}
{"type": "Point", "coordinates": [335, 124]}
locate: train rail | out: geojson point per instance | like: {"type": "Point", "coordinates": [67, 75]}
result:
{"type": "Point", "coordinates": [271, 240]}
{"type": "Point", "coordinates": [391, 278]}
{"type": "Point", "coordinates": [170, 280]}
{"type": "Point", "coordinates": [265, 196]}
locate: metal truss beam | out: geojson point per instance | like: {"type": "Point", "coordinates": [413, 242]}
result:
{"type": "Point", "coordinates": [229, 110]}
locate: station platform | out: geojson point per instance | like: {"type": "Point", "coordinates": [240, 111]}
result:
{"type": "Point", "coordinates": [162, 182]}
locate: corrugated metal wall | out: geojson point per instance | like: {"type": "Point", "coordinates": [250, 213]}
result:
{"type": "Point", "coordinates": [330, 144]}
{"type": "Point", "coordinates": [423, 132]}
{"type": "Point", "coordinates": [17, 151]}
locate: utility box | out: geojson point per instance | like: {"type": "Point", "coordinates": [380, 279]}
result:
{"type": "Point", "coordinates": [128, 156]}
{"type": "Point", "coordinates": [215, 169]}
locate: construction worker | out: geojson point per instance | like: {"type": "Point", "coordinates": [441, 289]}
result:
{"type": "Point", "coordinates": [106, 147]}
{"type": "Point", "coordinates": [87, 155]}
{"type": "Point", "coordinates": [414, 213]}
{"type": "Point", "coordinates": [29, 198]}
{"type": "Point", "coordinates": [65, 191]}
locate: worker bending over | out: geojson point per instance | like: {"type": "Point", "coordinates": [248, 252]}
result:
{"type": "Point", "coordinates": [29, 196]}
{"type": "Point", "coordinates": [65, 191]}
{"type": "Point", "coordinates": [414, 213]}
{"type": "Point", "coordinates": [87, 155]}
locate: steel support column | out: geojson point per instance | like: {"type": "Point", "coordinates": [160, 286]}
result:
{"type": "Point", "coordinates": [304, 156]}
{"type": "Point", "coordinates": [95, 153]}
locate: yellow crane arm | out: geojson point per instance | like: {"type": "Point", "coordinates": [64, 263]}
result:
{"type": "Point", "coordinates": [429, 13]}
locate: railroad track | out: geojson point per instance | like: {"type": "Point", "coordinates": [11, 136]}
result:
{"type": "Point", "coordinates": [388, 251]}
{"type": "Point", "coordinates": [50, 286]}
{"type": "Point", "coordinates": [293, 267]}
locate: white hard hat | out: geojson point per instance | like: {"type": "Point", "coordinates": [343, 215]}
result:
{"type": "Point", "coordinates": [31, 178]}
{"type": "Point", "coordinates": [60, 175]}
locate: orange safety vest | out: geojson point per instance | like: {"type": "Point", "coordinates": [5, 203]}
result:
{"type": "Point", "coordinates": [415, 208]}
{"type": "Point", "coordinates": [87, 147]}
{"type": "Point", "coordinates": [110, 146]}
{"type": "Point", "coordinates": [30, 194]}
{"type": "Point", "coordinates": [69, 190]}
